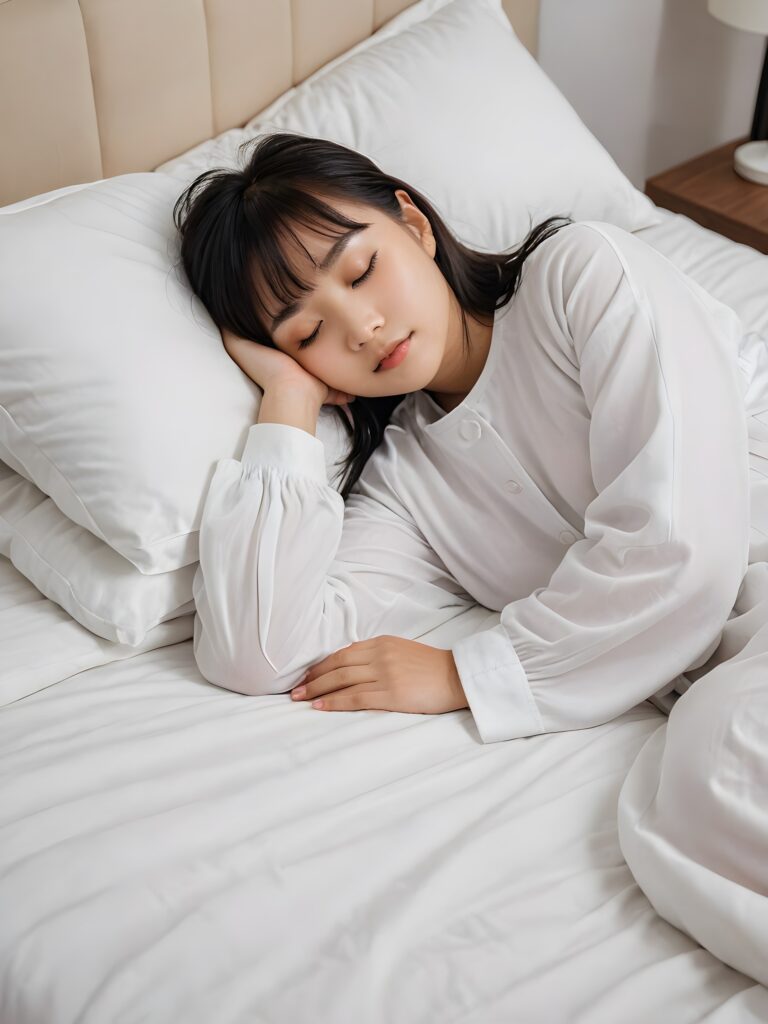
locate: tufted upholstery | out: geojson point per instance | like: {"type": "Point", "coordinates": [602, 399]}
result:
{"type": "Point", "coordinates": [94, 88]}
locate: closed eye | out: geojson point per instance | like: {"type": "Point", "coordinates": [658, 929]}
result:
{"type": "Point", "coordinates": [364, 277]}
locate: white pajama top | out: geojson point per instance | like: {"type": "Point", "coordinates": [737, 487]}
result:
{"type": "Point", "coordinates": [593, 488]}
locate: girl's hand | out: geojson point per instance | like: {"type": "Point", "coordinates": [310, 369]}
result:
{"type": "Point", "coordinates": [386, 673]}
{"type": "Point", "coordinates": [269, 367]}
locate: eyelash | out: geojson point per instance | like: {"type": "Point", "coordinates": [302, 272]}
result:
{"type": "Point", "coordinates": [365, 276]}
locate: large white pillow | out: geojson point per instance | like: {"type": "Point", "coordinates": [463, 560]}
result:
{"type": "Point", "coordinates": [457, 106]}
{"type": "Point", "coordinates": [98, 587]}
{"type": "Point", "coordinates": [46, 197]}
{"type": "Point", "coordinates": [117, 397]}
{"type": "Point", "coordinates": [221, 150]}
{"type": "Point", "coordinates": [41, 644]}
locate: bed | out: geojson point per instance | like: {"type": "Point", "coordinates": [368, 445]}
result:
{"type": "Point", "coordinates": [174, 851]}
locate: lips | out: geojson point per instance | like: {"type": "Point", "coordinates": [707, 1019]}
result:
{"type": "Point", "coordinates": [391, 349]}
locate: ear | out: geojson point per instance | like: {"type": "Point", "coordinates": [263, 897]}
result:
{"type": "Point", "coordinates": [416, 222]}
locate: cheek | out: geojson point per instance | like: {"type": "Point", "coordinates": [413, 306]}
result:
{"type": "Point", "coordinates": [322, 366]}
{"type": "Point", "coordinates": [418, 298]}
{"type": "Point", "coordinates": [404, 282]}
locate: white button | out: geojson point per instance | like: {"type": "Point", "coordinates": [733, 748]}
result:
{"type": "Point", "coordinates": [567, 537]}
{"type": "Point", "coordinates": [514, 486]}
{"type": "Point", "coordinates": [470, 430]}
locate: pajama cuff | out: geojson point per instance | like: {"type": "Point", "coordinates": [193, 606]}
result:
{"type": "Point", "coordinates": [286, 447]}
{"type": "Point", "coordinates": [496, 686]}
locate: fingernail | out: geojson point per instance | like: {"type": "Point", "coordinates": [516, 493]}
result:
{"type": "Point", "coordinates": [299, 691]}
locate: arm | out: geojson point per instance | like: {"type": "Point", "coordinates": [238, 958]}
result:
{"type": "Point", "coordinates": [288, 574]}
{"type": "Point", "coordinates": [651, 584]}
{"type": "Point", "coordinates": [292, 406]}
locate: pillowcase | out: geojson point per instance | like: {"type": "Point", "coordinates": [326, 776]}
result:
{"type": "Point", "coordinates": [456, 105]}
{"type": "Point", "coordinates": [221, 150]}
{"type": "Point", "coordinates": [117, 397]}
{"type": "Point", "coordinates": [99, 588]}
{"type": "Point", "coordinates": [459, 107]}
{"type": "Point", "coordinates": [41, 644]}
{"type": "Point", "coordinates": [45, 197]}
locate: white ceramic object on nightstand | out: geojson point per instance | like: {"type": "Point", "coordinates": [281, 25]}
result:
{"type": "Point", "coordinates": [751, 161]}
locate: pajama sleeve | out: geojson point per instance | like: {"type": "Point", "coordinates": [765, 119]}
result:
{"type": "Point", "coordinates": [289, 573]}
{"type": "Point", "coordinates": [650, 585]}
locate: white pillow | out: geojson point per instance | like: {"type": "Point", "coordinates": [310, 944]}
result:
{"type": "Point", "coordinates": [221, 150]}
{"type": "Point", "coordinates": [41, 644]}
{"type": "Point", "coordinates": [117, 397]}
{"type": "Point", "coordinates": [457, 106]}
{"type": "Point", "coordinates": [46, 197]}
{"type": "Point", "coordinates": [99, 588]}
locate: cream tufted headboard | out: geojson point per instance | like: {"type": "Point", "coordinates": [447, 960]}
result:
{"type": "Point", "coordinates": [94, 88]}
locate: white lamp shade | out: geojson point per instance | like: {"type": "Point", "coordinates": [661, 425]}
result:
{"type": "Point", "coordinates": [751, 15]}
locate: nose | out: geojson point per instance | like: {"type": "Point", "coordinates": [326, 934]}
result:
{"type": "Point", "coordinates": [363, 340]}
{"type": "Point", "coordinates": [363, 334]}
{"type": "Point", "coordinates": [362, 321]}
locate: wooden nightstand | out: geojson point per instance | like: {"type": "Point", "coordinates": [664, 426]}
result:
{"type": "Point", "coordinates": [709, 191]}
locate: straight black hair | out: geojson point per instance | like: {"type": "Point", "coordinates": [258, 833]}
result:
{"type": "Point", "coordinates": [234, 224]}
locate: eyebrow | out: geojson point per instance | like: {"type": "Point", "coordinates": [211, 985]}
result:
{"type": "Point", "coordinates": [333, 256]}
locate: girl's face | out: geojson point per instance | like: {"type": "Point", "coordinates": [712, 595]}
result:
{"type": "Point", "coordinates": [383, 287]}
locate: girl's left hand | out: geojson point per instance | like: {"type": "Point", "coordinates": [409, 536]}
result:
{"type": "Point", "coordinates": [387, 673]}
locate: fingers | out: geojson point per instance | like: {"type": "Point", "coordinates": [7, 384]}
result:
{"type": "Point", "coordinates": [338, 397]}
{"type": "Point", "coordinates": [349, 655]}
{"type": "Point", "coordinates": [329, 682]}
{"type": "Point", "coordinates": [364, 697]}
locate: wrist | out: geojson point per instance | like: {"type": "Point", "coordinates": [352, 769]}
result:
{"type": "Point", "coordinates": [291, 404]}
{"type": "Point", "coordinates": [453, 673]}
{"type": "Point", "coordinates": [305, 390]}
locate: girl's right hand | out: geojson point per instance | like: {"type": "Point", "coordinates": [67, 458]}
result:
{"type": "Point", "coordinates": [269, 367]}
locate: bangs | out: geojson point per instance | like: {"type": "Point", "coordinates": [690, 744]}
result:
{"type": "Point", "coordinates": [276, 256]}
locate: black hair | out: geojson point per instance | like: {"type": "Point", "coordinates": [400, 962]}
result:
{"type": "Point", "coordinates": [234, 220]}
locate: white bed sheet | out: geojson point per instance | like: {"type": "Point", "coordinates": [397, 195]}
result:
{"type": "Point", "coordinates": [173, 851]}
{"type": "Point", "coordinates": [734, 273]}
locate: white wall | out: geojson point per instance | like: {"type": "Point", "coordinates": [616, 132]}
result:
{"type": "Point", "coordinates": [657, 81]}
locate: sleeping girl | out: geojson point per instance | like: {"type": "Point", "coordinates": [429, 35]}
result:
{"type": "Point", "coordinates": [556, 433]}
